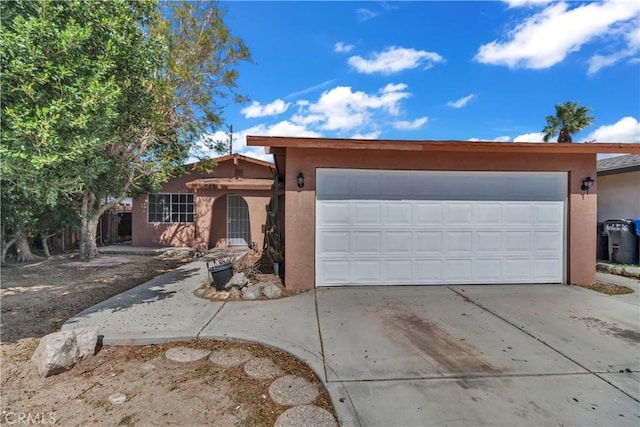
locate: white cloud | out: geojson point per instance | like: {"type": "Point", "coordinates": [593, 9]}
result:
{"type": "Point", "coordinates": [257, 110]}
{"type": "Point", "coordinates": [343, 109]}
{"type": "Point", "coordinates": [461, 102]}
{"type": "Point", "coordinates": [371, 135]}
{"type": "Point", "coordinates": [364, 14]}
{"type": "Point", "coordinates": [258, 153]}
{"type": "Point", "coordinates": [521, 3]}
{"type": "Point", "coordinates": [310, 89]}
{"type": "Point", "coordinates": [632, 37]}
{"type": "Point", "coordinates": [394, 59]}
{"type": "Point", "coordinates": [410, 125]}
{"type": "Point", "coordinates": [530, 137]}
{"type": "Point", "coordinates": [626, 129]}
{"type": "Point", "coordinates": [547, 37]}
{"type": "Point", "coordinates": [496, 139]}
{"type": "Point", "coordinates": [343, 48]}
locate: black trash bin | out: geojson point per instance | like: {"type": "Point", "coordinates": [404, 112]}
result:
{"type": "Point", "coordinates": [602, 252]}
{"type": "Point", "coordinates": [221, 274]}
{"type": "Point", "coordinates": [623, 242]}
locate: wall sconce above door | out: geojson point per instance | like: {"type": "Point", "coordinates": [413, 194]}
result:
{"type": "Point", "coordinates": [300, 180]}
{"type": "Point", "coordinates": [587, 183]}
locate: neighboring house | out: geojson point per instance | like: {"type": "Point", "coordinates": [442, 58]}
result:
{"type": "Point", "coordinates": [226, 207]}
{"type": "Point", "coordinates": [370, 212]}
{"type": "Point", "coordinates": [619, 187]}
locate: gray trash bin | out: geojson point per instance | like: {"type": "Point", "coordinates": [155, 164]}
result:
{"type": "Point", "coordinates": [602, 252]}
{"type": "Point", "coordinates": [637, 222]}
{"type": "Point", "coordinates": [623, 241]}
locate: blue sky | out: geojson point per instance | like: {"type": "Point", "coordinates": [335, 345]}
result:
{"type": "Point", "coordinates": [434, 70]}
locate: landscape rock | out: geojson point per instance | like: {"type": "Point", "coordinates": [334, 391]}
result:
{"type": "Point", "coordinates": [230, 357]}
{"type": "Point", "coordinates": [306, 415]}
{"type": "Point", "coordinates": [185, 354]}
{"type": "Point", "coordinates": [86, 340]}
{"type": "Point", "coordinates": [293, 390]}
{"type": "Point", "coordinates": [60, 351]}
{"type": "Point", "coordinates": [147, 366]}
{"type": "Point", "coordinates": [262, 368]}
{"type": "Point", "coordinates": [238, 281]}
{"type": "Point", "coordinates": [117, 399]}
{"type": "Point", "coordinates": [251, 292]}
{"type": "Point", "coordinates": [271, 290]}
{"type": "Point", "coordinates": [56, 353]}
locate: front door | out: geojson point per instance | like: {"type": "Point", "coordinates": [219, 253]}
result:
{"type": "Point", "coordinates": [238, 227]}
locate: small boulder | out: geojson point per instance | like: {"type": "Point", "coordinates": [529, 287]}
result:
{"type": "Point", "coordinates": [117, 398]}
{"type": "Point", "coordinates": [60, 351]}
{"type": "Point", "coordinates": [86, 339]}
{"type": "Point", "coordinates": [56, 353]}
{"type": "Point", "coordinates": [251, 292]}
{"type": "Point", "coordinates": [271, 290]}
{"type": "Point", "coordinates": [238, 281]}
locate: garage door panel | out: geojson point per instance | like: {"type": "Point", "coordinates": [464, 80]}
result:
{"type": "Point", "coordinates": [398, 242]}
{"type": "Point", "coordinates": [487, 241]}
{"type": "Point", "coordinates": [365, 271]}
{"type": "Point", "coordinates": [428, 213]}
{"type": "Point", "coordinates": [427, 242]}
{"type": "Point", "coordinates": [459, 270]}
{"type": "Point", "coordinates": [401, 227]}
{"type": "Point", "coordinates": [458, 241]}
{"type": "Point", "coordinates": [489, 214]}
{"type": "Point", "coordinates": [458, 213]}
{"type": "Point", "coordinates": [366, 213]}
{"type": "Point", "coordinates": [333, 213]}
{"type": "Point", "coordinates": [397, 213]}
{"type": "Point", "coordinates": [429, 270]}
{"type": "Point", "coordinates": [334, 242]}
{"type": "Point", "coordinates": [366, 242]}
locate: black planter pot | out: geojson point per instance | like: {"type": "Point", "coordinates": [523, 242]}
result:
{"type": "Point", "coordinates": [221, 274]}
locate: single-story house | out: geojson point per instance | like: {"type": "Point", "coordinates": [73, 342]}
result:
{"type": "Point", "coordinates": [619, 187]}
{"type": "Point", "coordinates": [375, 212]}
{"type": "Point", "coordinates": [225, 207]}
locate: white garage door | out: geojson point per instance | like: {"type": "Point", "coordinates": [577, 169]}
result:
{"type": "Point", "coordinates": [423, 227]}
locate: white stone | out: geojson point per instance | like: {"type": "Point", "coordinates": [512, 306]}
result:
{"type": "Point", "coordinates": [229, 358]}
{"type": "Point", "coordinates": [147, 366]}
{"type": "Point", "coordinates": [86, 339]}
{"type": "Point", "coordinates": [271, 290]}
{"type": "Point", "coordinates": [251, 292]}
{"type": "Point", "coordinates": [56, 353]}
{"type": "Point", "coordinates": [306, 415]}
{"type": "Point", "coordinates": [117, 398]}
{"type": "Point", "coordinates": [293, 390]}
{"type": "Point", "coordinates": [239, 281]}
{"type": "Point", "coordinates": [185, 354]}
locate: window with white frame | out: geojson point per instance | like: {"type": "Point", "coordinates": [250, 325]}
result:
{"type": "Point", "coordinates": [167, 207]}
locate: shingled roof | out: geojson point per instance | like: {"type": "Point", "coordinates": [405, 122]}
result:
{"type": "Point", "coordinates": [619, 164]}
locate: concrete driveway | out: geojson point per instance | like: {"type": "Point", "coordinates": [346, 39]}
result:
{"type": "Point", "coordinates": [482, 355]}
{"type": "Point", "coordinates": [527, 355]}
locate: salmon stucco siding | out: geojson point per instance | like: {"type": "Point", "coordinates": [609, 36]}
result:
{"type": "Point", "coordinates": [306, 156]}
{"type": "Point", "coordinates": [619, 196]}
{"type": "Point", "coordinates": [247, 180]}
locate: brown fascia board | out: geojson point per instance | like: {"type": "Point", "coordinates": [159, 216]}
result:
{"type": "Point", "coordinates": [245, 158]}
{"type": "Point", "coordinates": [405, 145]}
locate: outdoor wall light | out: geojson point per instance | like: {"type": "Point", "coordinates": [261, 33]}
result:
{"type": "Point", "coordinates": [300, 179]}
{"type": "Point", "coordinates": [587, 183]}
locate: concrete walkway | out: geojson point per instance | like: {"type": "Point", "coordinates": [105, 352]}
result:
{"type": "Point", "coordinates": [414, 356]}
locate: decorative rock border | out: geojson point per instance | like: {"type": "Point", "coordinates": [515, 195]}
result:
{"type": "Point", "coordinates": [288, 390]}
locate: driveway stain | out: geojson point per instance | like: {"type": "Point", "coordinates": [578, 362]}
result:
{"type": "Point", "coordinates": [608, 328]}
{"type": "Point", "coordinates": [432, 341]}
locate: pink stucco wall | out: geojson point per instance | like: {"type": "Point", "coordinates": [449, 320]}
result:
{"type": "Point", "coordinates": [209, 228]}
{"type": "Point", "coordinates": [300, 203]}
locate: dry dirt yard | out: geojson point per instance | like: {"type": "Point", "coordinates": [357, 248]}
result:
{"type": "Point", "coordinates": [37, 298]}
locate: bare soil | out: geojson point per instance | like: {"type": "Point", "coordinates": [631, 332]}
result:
{"type": "Point", "coordinates": [37, 298]}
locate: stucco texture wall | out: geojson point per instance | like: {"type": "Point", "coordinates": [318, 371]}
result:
{"type": "Point", "coordinates": [209, 228]}
{"type": "Point", "coordinates": [300, 203]}
{"type": "Point", "coordinates": [619, 196]}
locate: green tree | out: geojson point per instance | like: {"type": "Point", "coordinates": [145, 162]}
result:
{"type": "Point", "coordinates": [569, 120]}
{"type": "Point", "coordinates": [103, 100]}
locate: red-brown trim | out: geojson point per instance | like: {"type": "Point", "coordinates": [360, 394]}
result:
{"type": "Point", "coordinates": [451, 146]}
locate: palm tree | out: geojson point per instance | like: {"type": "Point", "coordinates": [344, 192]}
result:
{"type": "Point", "coordinates": [569, 119]}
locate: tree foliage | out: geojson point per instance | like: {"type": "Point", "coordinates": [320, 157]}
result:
{"type": "Point", "coordinates": [106, 99]}
{"type": "Point", "coordinates": [570, 119]}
